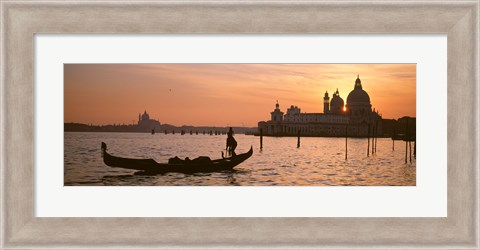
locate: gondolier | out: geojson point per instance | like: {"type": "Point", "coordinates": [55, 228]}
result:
{"type": "Point", "coordinates": [231, 143]}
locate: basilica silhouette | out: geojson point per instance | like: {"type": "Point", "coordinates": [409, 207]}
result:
{"type": "Point", "coordinates": [355, 117]}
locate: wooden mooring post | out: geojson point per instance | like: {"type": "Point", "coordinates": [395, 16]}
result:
{"type": "Point", "coordinates": [393, 138]}
{"type": "Point", "coordinates": [406, 141]}
{"type": "Point", "coordinates": [406, 151]}
{"type": "Point", "coordinates": [368, 140]}
{"type": "Point", "coordinates": [415, 149]}
{"type": "Point", "coordinates": [346, 136]}
{"type": "Point", "coordinates": [373, 139]}
{"type": "Point", "coordinates": [261, 139]}
{"type": "Point", "coordinates": [410, 144]}
{"type": "Point", "coordinates": [376, 136]}
{"type": "Point", "coordinates": [298, 140]}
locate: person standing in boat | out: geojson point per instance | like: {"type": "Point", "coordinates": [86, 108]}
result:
{"type": "Point", "coordinates": [231, 143]}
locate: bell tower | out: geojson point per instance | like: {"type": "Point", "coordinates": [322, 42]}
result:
{"type": "Point", "coordinates": [326, 103]}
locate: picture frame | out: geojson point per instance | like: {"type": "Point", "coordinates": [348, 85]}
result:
{"type": "Point", "coordinates": [21, 20]}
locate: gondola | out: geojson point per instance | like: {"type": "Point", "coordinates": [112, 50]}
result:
{"type": "Point", "coordinates": [150, 166]}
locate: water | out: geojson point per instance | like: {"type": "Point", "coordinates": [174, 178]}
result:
{"type": "Point", "coordinates": [318, 161]}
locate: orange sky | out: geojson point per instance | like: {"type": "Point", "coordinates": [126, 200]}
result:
{"type": "Point", "coordinates": [226, 94]}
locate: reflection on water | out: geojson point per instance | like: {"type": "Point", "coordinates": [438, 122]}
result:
{"type": "Point", "coordinates": [318, 162]}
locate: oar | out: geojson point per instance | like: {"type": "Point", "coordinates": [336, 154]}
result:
{"type": "Point", "coordinates": [226, 153]}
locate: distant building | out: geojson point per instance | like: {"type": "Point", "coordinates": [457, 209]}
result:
{"type": "Point", "coordinates": [356, 115]}
{"type": "Point", "coordinates": [145, 122]}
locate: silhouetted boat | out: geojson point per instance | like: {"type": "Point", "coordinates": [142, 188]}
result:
{"type": "Point", "coordinates": [150, 166]}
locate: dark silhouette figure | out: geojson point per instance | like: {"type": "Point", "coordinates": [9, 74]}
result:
{"type": "Point", "coordinates": [231, 143]}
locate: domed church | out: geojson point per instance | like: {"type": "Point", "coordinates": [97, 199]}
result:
{"type": "Point", "coordinates": [358, 104]}
{"type": "Point", "coordinates": [356, 116]}
{"type": "Point", "coordinates": [145, 122]}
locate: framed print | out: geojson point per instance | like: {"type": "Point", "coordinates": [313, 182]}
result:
{"type": "Point", "coordinates": [36, 34]}
{"type": "Point", "coordinates": [218, 108]}
{"type": "Point", "coordinates": [315, 168]}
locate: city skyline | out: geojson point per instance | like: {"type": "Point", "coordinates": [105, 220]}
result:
{"type": "Point", "coordinates": [226, 94]}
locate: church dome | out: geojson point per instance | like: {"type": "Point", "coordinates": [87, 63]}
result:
{"type": "Point", "coordinates": [358, 95]}
{"type": "Point", "coordinates": [145, 116]}
{"type": "Point", "coordinates": [336, 101]}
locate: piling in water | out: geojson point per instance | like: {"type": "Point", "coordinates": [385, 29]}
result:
{"type": "Point", "coordinates": [406, 141]}
{"type": "Point", "coordinates": [298, 140]}
{"type": "Point", "coordinates": [393, 138]}
{"type": "Point", "coordinates": [346, 136]}
{"type": "Point", "coordinates": [410, 144]}
{"type": "Point", "coordinates": [406, 151]}
{"type": "Point", "coordinates": [261, 138]}
{"type": "Point", "coordinates": [368, 140]}
{"type": "Point", "coordinates": [376, 136]}
{"type": "Point", "coordinates": [373, 139]}
{"type": "Point", "coordinates": [415, 149]}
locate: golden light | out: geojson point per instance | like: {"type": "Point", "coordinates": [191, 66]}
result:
{"type": "Point", "coordinates": [189, 92]}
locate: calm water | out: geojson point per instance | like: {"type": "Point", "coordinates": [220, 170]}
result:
{"type": "Point", "coordinates": [318, 162]}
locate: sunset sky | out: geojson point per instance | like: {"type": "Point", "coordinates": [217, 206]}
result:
{"type": "Point", "coordinates": [226, 94]}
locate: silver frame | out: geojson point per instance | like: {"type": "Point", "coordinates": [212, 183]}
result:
{"type": "Point", "coordinates": [20, 20]}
